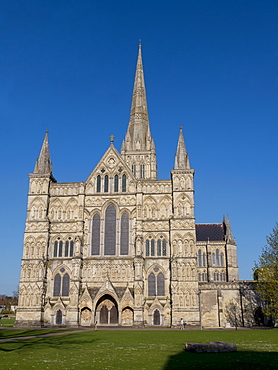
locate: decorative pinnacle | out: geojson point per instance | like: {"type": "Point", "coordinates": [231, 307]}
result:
{"type": "Point", "coordinates": [112, 137]}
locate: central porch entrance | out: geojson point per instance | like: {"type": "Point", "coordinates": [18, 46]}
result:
{"type": "Point", "coordinates": [107, 311]}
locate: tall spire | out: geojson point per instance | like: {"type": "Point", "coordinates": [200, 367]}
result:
{"type": "Point", "coordinates": [138, 148]}
{"type": "Point", "coordinates": [139, 110]}
{"type": "Point", "coordinates": [138, 134]}
{"type": "Point", "coordinates": [43, 164]}
{"type": "Point", "coordinates": [181, 157]}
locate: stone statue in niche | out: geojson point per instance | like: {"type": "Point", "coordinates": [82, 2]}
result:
{"type": "Point", "coordinates": [139, 246]}
{"type": "Point", "coordinates": [77, 246]}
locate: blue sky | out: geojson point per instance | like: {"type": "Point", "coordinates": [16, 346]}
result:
{"type": "Point", "coordinates": [210, 66]}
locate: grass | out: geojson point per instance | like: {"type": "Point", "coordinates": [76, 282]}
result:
{"type": "Point", "coordinates": [146, 349]}
{"type": "Point", "coordinates": [7, 321]}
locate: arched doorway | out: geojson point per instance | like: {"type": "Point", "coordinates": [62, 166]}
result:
{"type": "Point", "coordinates": [107, 311]}
{"type": "Point", "coordinates": [59, 317]}
{"type": "Point", "coordinates": [156, 317]}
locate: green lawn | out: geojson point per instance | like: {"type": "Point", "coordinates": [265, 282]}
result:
{"type": "Point", "coordinates": [7, 321]}
{"type": "Point", "coordinates": [146, 349]}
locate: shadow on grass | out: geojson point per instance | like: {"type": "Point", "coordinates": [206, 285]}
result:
{"type": "Point", "coordinates": [17, 333]}
{"type": "Point", "coordinates": [44, 342]}
{"type": "Point", "coordinates": [236, 360]}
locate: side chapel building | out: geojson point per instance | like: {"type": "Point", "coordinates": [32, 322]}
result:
{"type": "Point", "coordinates": [123, 247]}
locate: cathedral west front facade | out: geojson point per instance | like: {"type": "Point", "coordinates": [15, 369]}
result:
{"type": "Point", "coordinates": [123, 247]}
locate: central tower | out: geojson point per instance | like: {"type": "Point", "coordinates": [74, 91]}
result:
{"type": "Point", "coordinates": [138, 149]}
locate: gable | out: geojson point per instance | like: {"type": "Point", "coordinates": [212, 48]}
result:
{"type": "Point", "coordinates": [112, 173]}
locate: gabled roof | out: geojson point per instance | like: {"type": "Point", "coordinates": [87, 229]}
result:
{"type": "Point", "coordinates": [109, 161]}
{"type": "Point", "coordinates": [212, 232]}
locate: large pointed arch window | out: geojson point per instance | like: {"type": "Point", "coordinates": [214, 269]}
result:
{"type": "Point", "coordinates": [151, 284]}
{"type": "Point", "coordinates": [124, 234]}
{"type": "Point", "coordinates": [61, 284]}
{"type": "Point", "coordinates": [156, 283]}
{"type": "Point", "coordinates": [110, 231]}
{"type": "Point", "coordinates": [96, 235]}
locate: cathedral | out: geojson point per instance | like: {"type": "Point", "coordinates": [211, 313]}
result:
{"type": "Point", "coordinates": [122, 248]}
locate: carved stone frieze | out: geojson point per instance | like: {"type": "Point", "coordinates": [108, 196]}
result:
{"type": "Point", "coordinates": [117, 271]}
{"type": "Point", "coordinates": [156, 225]}
{"type": "Point", "coordinates": [66, 227]}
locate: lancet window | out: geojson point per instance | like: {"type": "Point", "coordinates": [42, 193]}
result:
{"type": "Point", "coordinates": [106, 243]}
{"type": "Point", "coordinates": [142, 171]}
{"type": "Point", "coordinates": [96, 235]}
{"type": "Point", "coordinates": [217, 259]}
{"type": "Point", "coordinates": [202, 276]}
{"type": "Point", "coordinates": [156, 248]}
{"type": "Point", "coordinates": [106, 184]}
{"type": "Point", "coordinates": [63, 249]}
{"type": "Point", "coordinates": [124, 234]}
{"type": "Point", "coordinates": [61, 284]}
{"type": "Point", "coordinates": [156, 283]}
{"type": "Point", "coordinates": [202, 260]}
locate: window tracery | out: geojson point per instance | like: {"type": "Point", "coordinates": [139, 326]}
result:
{"type": "Point", "coordinates": [63, 249]}
{"type": "Point", "coordinates": [61, 284]}
{"type": "Point", "coordinates": [156, 283]}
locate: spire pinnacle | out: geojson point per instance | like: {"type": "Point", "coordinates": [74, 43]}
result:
{"type": "Point", "coordinates": [139, 121]}
{"type": "Point", "coordinates": [138, 147]}
{"type": "Point", "coordinates": [181, 157]}
{"type": "Point", "coordinates": [43, 164]}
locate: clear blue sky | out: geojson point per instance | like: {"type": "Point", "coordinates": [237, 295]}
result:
{"type": "Point", "coordinates": [210, 66]}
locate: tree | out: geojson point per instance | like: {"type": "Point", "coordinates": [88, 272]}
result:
{"type": "Point", "coordinates": [266, 274]}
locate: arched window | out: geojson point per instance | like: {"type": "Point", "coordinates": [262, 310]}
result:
{"type": "Point", "coordinates": [199, 276]}
{"type": "Point", "coordinates": [200, 258]}
{"type": "Point", "coordinates": [142, 171]}
{"type": "Point", "coordinates": [60, 254]}
{"type": "Point", "coordinates": [152, 247]}
{"type": "Point", "coordinates": [71, 248]}
{"type": "Point", "coordinates": [106, 183]}
{"type": "Point", "coordinates": [158, 247]}
{"type": "Point", "coordinates": [124, 234]}
{"type": "Point", "coordinates": [55, 252]}
{"type": "Point", "coordinates": [213, 259]}
{"type": "Point", "coordinates": [96, 235]}
{"type": "Point", "coordinates": [116, 183]}
{"type": "Point", "coordinates": [66, 248]}
{"type": "Point", "coordinates": [61, 284]}
{"type": "Point", "coordinates": [98, 183]}
{"type": "Point", "coordinates": [217, 257]}
{"type": "Point", "coordinates": [147, 248]}
{"type": "Point", "coordinates": [221, 259]}
{"type": "Point", "coordinates": [124, 183]}
{"type": "Point", "coordinates": [65, 285]}
{"type": "Point", "coordinates": [160, 284]}
{"type": "Point", "coordinates": [204, 259]}
{"type": "Point", "coordinates": [164, 247]}
{"type": "Point", "coordinates": [156, 283]}
{"type": "Point", "coordinates": [151, 284]}
{"type": "Point", "coordinates": [133, 169]}
{"type": "Point", "coordinates": [57, 285]}
{"type": "Point", "coordinates": [110, 231]}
